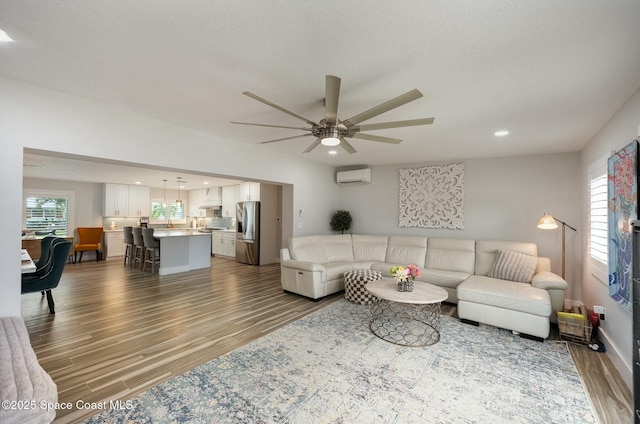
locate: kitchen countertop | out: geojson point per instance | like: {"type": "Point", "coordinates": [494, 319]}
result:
{"type": "Point", "coordinates": [177, 232]}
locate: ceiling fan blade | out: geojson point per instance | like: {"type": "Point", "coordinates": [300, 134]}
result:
{"type": "Point", "coordinates": [393, 124]}
{"type": "Point", "coordinates": [402, 99]}
{"type": "Point", "coordinates": [313, 145]}
{"type": "Point", "coordinates": [346, 146]}
{"type": "Point", "coordinates": [280, 108]}
{"type": "Point", "coordinates": [268, 125]}
{"type": "Point", "coordinates": [286, 138]}
{"type": "Point", "coordinates": [377, 138]}
{"type": "Point", "coordinates": [331, 97]}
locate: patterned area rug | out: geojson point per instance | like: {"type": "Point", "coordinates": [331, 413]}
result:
{"type": "Point", "coordinates": [329, 368]}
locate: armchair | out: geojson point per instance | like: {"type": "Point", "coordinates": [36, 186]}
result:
{"type": "Point", "coordinates": [89, 238]}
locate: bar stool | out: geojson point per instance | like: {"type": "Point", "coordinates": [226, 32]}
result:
{"type": "Point", "coordinates": [138, 247]}
{"type": "Point", "coordinates": [151, 249]}
{"type": "Point", "coordinates": [128, 242]}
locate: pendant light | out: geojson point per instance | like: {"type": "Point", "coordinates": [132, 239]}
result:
{"type": "Point", "coordinates": [164, 202]}
{"type": "Point", "coordinates": [179, 202]}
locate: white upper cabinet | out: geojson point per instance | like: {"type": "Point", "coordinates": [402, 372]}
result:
{"type": "Point", "coordinates": [196, 199]}
{"type": "Point", "coordinates": [125, 200]}
{"type": "Point", "coordinates": [116, 200]}
{"type": "Point", "coordinates": [230, 195]}
{"type": "Point", "coordinates": [139, 201]}
{"type": "Point", "coordinates": [249, 191]}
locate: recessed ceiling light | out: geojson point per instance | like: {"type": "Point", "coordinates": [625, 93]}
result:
{"type": "Point", "coordinates": [4, 37]}
{"type": "Point", "coordinates": [333, 152]}
{"type": "Point", "coordinates": [501, 133]}
{"type": "Point", "coordinates": [138, 182]}
{"type": "Point", "coordinates": [205, 182]}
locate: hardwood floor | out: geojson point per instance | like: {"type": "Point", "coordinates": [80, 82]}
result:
{"type": "Point", "coordinates": [118, 331]}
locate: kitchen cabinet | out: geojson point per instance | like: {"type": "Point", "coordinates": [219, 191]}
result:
{"type": "Point", "coordinates": [114, 243]}
{"type": "Point", "coordinates": [249, 191]}
{"type": "Point", "coordinates": [139, 201]}
{"type": "Point", "coordinates": [211, 196]}
{"type": "Point", "coordinates": [230, 195]}
{"type": "Point", "coordinates": [125, 200]}
{"type": "Point", "coordinates": [196, 199]}
{"type": "Point", "coordinates": [116, 200]}
{"type": "Point", "coordinates": [223, 244]}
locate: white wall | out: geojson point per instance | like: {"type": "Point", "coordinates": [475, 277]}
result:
{"type": "Point", "coordinates": [33, 117]}
{"type": "Point", "coordinates": [504, 199]}
{"type": "Point", "coordinates": [617, 329]}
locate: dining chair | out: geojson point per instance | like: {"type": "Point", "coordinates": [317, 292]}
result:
{"type": "Point", "coordinates": [138, 247]}
{"type": "Point", "coordinates": [89, 238]}
{"type": "Point", "coordinates": [151, 249]}
{"type": "Point", "coordinates": [45, 252]}
{"type": "Point", "coordinates": [128, 242]}
{"type": "Point", "coordinates": [49, 278]}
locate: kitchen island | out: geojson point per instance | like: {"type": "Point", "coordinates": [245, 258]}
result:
{"type": "Point", "coordinates": [183, 250]}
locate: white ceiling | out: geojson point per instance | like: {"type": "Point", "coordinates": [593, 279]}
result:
{"type": "Point", "coordinates": [551, 72]}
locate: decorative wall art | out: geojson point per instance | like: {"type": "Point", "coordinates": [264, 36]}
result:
{"type": "Point", "coordinates": [623, 208]}
{"type": "Point", "coordinates": [432, 197]}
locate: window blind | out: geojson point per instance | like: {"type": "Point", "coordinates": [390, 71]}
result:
{"type": "Point", "coordinates": [598, 241]}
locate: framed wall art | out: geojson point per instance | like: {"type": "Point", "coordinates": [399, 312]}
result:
{"type": "Point", "coordinates": [622, 192]}
{"type": "Point", "coordinates": [432, 197]}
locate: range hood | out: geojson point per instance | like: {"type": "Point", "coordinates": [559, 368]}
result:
{"type": "Point", "coordinates": [212, 207]}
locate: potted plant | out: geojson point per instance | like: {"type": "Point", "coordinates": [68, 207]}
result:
{"type": "Point", "coordinates": [341, 221]}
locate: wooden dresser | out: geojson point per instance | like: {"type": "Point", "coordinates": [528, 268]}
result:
{"type": "Point", "coordinates": [33, 246]}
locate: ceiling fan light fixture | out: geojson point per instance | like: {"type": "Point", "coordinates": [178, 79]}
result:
{"type": "Point", "coordinates": [330, 141]}
{"type": "Point", "coordinates": [331, 137]}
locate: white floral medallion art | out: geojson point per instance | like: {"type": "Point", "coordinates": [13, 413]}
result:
{"type": "Point", "coordinates": [432, 197]}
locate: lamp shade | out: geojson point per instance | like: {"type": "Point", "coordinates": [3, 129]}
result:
{"type": "Point", "coordinates": [547, 222]}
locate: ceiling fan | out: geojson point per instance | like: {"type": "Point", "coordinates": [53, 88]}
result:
{"type": "Point", "coordinates": [332, 131]}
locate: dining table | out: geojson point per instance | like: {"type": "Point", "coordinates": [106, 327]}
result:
{"type": "Point", "coordinates": [27, 263]}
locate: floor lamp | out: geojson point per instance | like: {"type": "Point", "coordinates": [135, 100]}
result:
{"type": "Point", "coordinates": [548, 222]}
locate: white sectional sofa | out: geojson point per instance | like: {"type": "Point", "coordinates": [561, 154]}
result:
{"type": "Point", "coordinates": [313, 266]}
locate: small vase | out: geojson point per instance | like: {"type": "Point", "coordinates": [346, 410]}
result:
{"type": "Point", "coordinates": [405, 286]}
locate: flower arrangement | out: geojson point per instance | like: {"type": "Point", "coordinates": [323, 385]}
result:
{"type": "Point", "coordinates": [404, 276]}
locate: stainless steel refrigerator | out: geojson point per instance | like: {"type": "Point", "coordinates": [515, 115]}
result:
{"type": "Point", "coordinates": [248, 233]}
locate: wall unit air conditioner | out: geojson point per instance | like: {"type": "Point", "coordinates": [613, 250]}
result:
{"type": "Point", "coordinates": [354, 176]}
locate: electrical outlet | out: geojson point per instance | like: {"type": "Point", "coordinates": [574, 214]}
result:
{"type": "Point", "coordinates": [600, 310]}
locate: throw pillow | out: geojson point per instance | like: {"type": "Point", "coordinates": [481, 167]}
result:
{"type": "Point", "coordinates": [513, 266]}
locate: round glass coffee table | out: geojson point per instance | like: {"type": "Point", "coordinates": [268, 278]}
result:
{"type": "Point", "coordinates": [406, 318]}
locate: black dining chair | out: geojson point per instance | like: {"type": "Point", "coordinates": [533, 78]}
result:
{"type": "Point", "coordinates": [45, 252]}
{"type": "Point", "coordinates": [49, 277]}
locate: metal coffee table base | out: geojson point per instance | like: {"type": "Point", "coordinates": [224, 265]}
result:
{"type": "Point", "coordinates": [406, 324]}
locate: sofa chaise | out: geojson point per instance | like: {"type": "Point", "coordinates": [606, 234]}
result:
{"type": "Point", "coordinates": [28, 393]}
{"type": "Point", "coordinates": [485, 278]}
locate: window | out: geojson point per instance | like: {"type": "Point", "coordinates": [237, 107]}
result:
{"type": "Point", "coordinates": [161, 214]}
{"type": "Point", "coordinates": [48, 212]}
{"type": "Point", "coordinates": [598, 238]}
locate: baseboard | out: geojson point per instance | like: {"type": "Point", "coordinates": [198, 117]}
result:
{"type": "Point", "coordinates": [624, 368]}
